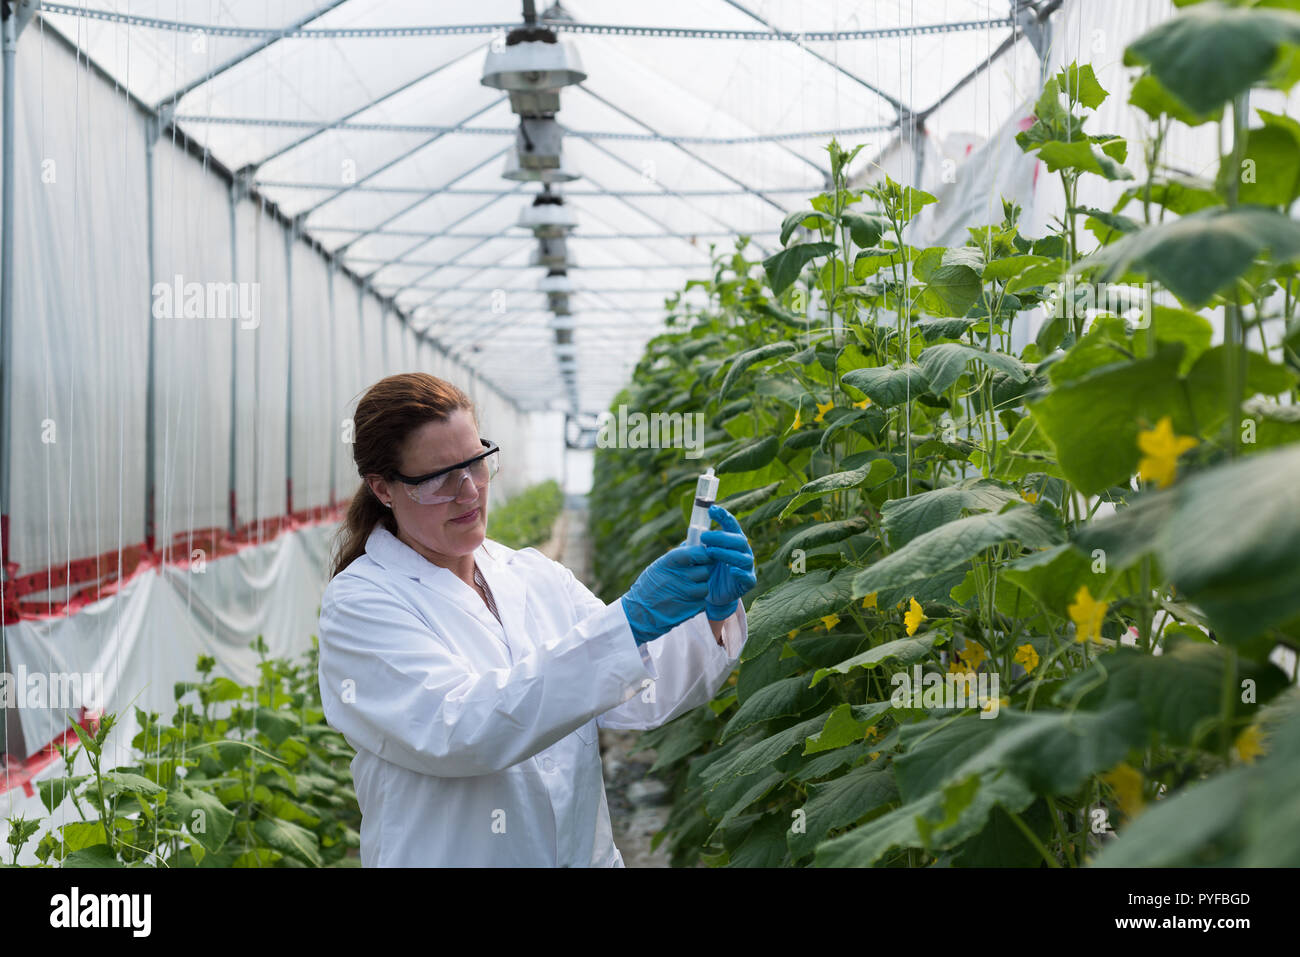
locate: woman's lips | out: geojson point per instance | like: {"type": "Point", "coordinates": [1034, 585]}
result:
{"type": "Point", "coordinates": [466, 519]}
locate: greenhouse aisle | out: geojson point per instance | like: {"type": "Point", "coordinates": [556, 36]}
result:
{"type": "Point", "coordinates": [638, 805]}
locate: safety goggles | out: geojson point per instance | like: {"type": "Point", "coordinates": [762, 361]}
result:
{"type": "Point", "coordinates": [444, 484]}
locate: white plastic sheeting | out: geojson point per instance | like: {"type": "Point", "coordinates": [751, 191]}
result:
{"type": "Point", "coordinates": [148, 636]}
{"type": "Point", "coordinates": [391, 151]}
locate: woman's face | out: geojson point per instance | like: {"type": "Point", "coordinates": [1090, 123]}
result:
{"type": "Point", "coordinates": [431, 529]}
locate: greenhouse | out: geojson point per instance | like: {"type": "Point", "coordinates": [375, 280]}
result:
{"type": "Point", "coordinates": [888, 410]}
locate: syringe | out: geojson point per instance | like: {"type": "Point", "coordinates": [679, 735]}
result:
{"type": "Point", "coordinates": [706, 493]}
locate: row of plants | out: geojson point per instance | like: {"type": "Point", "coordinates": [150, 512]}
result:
{"type": "Point", "coordinates": [1088, 548]}
{"type": "Point", "coordinates": [243, 776]}
{"type": "Point", "coordinates": [527, 518]}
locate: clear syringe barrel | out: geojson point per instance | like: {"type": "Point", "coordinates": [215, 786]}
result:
{"type": "Point", "coordinates": [706, 493]}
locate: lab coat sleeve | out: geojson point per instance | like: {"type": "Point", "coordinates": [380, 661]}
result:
{"type": "Point", "coordinates": [393, 687]}
{"type": "Point", "coordinates": [686, 665]}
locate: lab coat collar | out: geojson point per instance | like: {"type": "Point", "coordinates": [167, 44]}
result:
{"type": "Point", "coordinates": [508, 591]}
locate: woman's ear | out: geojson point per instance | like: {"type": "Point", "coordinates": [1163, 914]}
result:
{"type": "Point", "coordinates": [379, 488]}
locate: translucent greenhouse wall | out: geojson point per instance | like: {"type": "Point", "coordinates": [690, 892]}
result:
{"type": "Point", "coordinates": [84, 297]}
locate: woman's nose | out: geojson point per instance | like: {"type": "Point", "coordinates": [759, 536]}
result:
{"type": "Point", "coordinates": [473, 489]}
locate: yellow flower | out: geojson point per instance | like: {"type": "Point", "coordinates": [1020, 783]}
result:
{"type": "Point", "coordinates": [914, 617]}
{"type": "Point", "coordinates": [798, 419]}
{"type": "Point", "coordinates": [793, 632]}
{"type": "Point", "coordinates": [1249, 744]}
{"type": "Point", "coordinates": [1003, 702]}
{"type": "Point", "coordinates": [822, 410]}
{"type": "Point", "coordinates": [1030, 497]}
{"type": "Point", "coordinates": [1126, 781]}
{"type": "Point", "coordinates": [870, 601]}
{"type": "Point", "coordinates": [1027, 656]}
{"type": "Point", "coordinates": [862, 405]}
{"type": "Point", "coordinates": [1161, 448]}
{"type": "Point", "coordinates": [831, 621]}
{"type": "Point", "coordinates": [873, 755]}
{"type": "Point", "coordinates": [973, 654]}
{"type": "Point", "coordinates": [958, 666]}
{"type": "Point", "coordinates": [1087, 614]}
{"type": "Point", "coordinates": [871, 734]}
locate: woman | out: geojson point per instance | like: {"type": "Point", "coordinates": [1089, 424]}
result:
{"type": "Point", "coordinates": [471, 677]}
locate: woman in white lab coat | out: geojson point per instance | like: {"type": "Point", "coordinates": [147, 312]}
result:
{"type": "Point", "coordinates": [471, 677]}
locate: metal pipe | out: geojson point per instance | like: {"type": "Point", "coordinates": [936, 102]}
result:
{"type": "Point", "coordinates": [7, 286]}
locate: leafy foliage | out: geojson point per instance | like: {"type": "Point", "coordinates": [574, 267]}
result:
{"type": "Point", "coordinates": [923, 500]}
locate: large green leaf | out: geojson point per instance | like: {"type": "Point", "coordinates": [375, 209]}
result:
{"type": "Point", "coordinates": [744, 501]}
{"type": "Point", "coordinates": [888, 386]}
{"type": "Point", "coordinates": [903, 827]}
{"type": "Point", "coordinates": [751, 456]}
{"type": "Point", "coordinates": [787, 698]}
{"type": "Point", "coordinates": [902, 651]}
{"type": "Point", "coordinates": [953, 543]}
{"type": "Point", "coordinates": [870, 474]}
{"type": "Point", "coordinates": [763, 753]}
{"type": "Point", "coordinates": [1093, 422]}
{"type": "Point", "coordinates": [1081, 155]}
{"type": "Point", "coordinates": [793, 603]}
{"type": "Point", "coordinates": [203, 815]}
{"type": "Point", "coordinates": [943, 364]}
{"type": "Point", "coordinates": [1273, 152]}
{"type": "Point", "coordinates": [839, 803]}
{"type": "Point", "coordinates": [1248, 816]}
{"type": "Point", "coordinates": [801, 217]}
{"type": "Point", "coordinates": [54, 790]}
{"type": "Point", "coordinates": [1202, 253]}
{"type": "Point", "coordinates": [952, 279]}
{"type": "Point", "coordinates": [783, 268]}
{"type": "Point", "coordinates": [772, 350]}
{"type": "Point", "coordinates": [289, 839]}
{"type": "Point", "coordinates": [822, 533]}
{"type": "Point", "coordinates": [1180, 691]}
{"type": "Point", "coordinates": [1242, 44]}
{"type": "Point", "coordinates": [1232, 544]}
{"type": "Point", "coordinates": [1051, 752]}
{"type": "Point", "coordinates": [905, 518]}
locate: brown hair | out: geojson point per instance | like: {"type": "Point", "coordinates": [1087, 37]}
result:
{"type": "Point", "coordinates": [387, 414]}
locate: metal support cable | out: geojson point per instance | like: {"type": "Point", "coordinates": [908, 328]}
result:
{"type": "Point", "coordinates": [176, 95]}
{"type": "Point", "coordinates": [405, 154]}
{"type": "Point", "coordinates": [801, 42]}
{"type": "Point", "coordinates": [283, 123]}
{"type": "Point", "coordinates": [426, 196]}
{"type": "Point", "coordinates": [597, 29]}
{"type": "Point", "coordinates": [691, 153]}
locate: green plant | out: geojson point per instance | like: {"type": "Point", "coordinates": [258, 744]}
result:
{"type": "Point", "coordinates": [923, 503]}
{"type": "Point", "coordinates": [527, 518]}
{"type": "Point", "coordinates": [253, 777]}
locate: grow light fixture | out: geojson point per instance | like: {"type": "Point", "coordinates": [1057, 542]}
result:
{"type": "Point", "coordinates": [557, 174]}
{"type": "Point", "coordinates": [548, 217]}
{"type": "Point", "coordinates": [533, 59]}
{"type": "Point", "coordinates": [537, 143]}
{"type": "Point", "coordinates": [552, 253]}
{"type": "Point", "coordinates": [535, 102]}
{"type": "Point", "coordinates": [555, 281]}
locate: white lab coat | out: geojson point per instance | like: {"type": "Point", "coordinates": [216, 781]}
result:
{"type": "Point", "coordinates": [476, 745]}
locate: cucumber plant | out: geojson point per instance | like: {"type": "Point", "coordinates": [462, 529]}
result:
{"type": "Point", "coordinates": [1096, 534]}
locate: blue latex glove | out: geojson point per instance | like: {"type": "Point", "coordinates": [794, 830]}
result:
{"type": "Point", "coordinates": [670, 591]}
{"type": "Point", "coordinates": [732, 573]}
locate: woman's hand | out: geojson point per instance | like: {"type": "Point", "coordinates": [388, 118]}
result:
{"type": "Point", "coordinates": [733, 565]}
